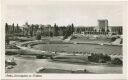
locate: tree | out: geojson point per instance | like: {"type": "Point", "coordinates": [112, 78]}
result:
{"type": "Point", "coordinates": [13, 28]}
{"type": "Point", "coordinates": [38, 35]}
{"type": "Point", "coordinates": [49, 30]}
{"type": "Point", "coordinates": [31, 30]}
{"type": "Point", "coordinates": [56, 29]}
{"type": "Point", "coordinates": [121, 42]}
{"type": "Point", "coordinates": [51, 34]}
{"type": "Point", "coordinates": [7, 40]}
{"type": "Point", "coordinates": [17, 28]}
{"type": "Point", "coordinates": [72, 28]}
{"type": "Point", "coordinates": [69, 31]}
{"type": "Point", "coordinates": [41, 28]}
{"type": "Point", "coordinates": [6, 28]}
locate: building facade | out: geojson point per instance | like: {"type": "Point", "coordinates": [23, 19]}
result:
{"type": "Point", "coordinates": [103, 25]}
{"type": "Point", "coordinates": [116, 30]}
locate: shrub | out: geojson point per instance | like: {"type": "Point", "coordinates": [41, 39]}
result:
{"type": "Point", "coordinates": [93, 58]}
{"type": "Point", "coordinates": [10, 63]}
{"type": "Point", "coordinates": [73, 37]}
{"type": "Point", "coordinates": [40, 57]}
{"type": "Point", "coordinates": [106, 57]}
{"type": "Point", "coordinates": [10, 53]}
{"type": "Point", "coordinates": [99, 58]}
{"type": "Point", "coordinates": [117, 61]}
{"type": "Point", "coordinates": [38, 37]}
{"type": "Point", "coordinates": [113, 39]}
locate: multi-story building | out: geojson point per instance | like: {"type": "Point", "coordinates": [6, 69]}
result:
{"type": "Point", "coordinates": [102, 28]}
{"type": "Point", "coordinates": [103, 25]}
{"type": "Point", "coordinates": [116, 30]}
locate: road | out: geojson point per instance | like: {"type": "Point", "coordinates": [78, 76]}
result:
{"type": "Point", "coordinates": [29, 64]}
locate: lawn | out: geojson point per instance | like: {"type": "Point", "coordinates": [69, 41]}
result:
{"type": "Point", "coordinates": [81, 48]}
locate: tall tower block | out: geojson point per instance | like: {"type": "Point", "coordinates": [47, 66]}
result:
{"type": "Point", "coordinates": [103, 25]}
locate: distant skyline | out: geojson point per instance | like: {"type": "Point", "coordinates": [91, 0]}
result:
{"type": "Point", "coordinates": [62, 13]}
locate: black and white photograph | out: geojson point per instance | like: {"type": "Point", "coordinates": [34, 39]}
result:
{"type": "Point", "coordinates": [70, 37]}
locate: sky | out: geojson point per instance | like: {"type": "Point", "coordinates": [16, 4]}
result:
{"type": "Point", "coordinates": [62, 12]}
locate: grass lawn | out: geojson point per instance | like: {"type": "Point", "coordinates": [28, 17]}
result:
{"type": "Point", "coordinates": [81, 48]}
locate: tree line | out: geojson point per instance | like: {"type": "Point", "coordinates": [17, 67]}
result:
{"type": "Point", "coordinates": [38, 31]}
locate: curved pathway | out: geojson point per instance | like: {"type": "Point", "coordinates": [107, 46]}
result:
{"type": "Point", "coordinates": [26, 64]}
